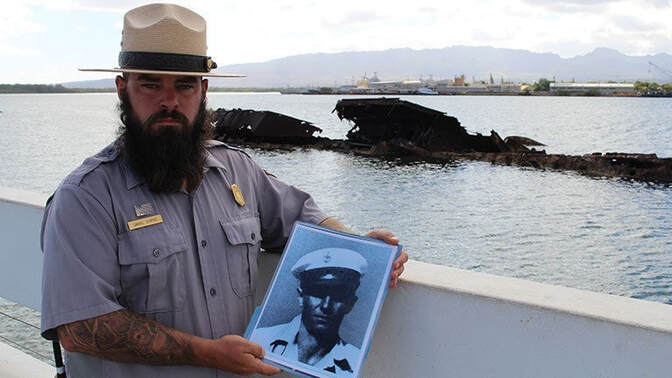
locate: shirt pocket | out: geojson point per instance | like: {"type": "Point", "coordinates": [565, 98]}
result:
{"type": "Point", "coordinates": [244, 237]}
{"type": "Point", "coordinates": [152, 273]}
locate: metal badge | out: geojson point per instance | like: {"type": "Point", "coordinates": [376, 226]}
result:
{"type": "Point", "coordinates": [145, 222]}
{"type": "Point", "coordinates": [238, 195]}
{"type": "Point", "coordinates": [144, 209]}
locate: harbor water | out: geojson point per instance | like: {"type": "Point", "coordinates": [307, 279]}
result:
{"type": "Point", "coordinates": [607, 235]}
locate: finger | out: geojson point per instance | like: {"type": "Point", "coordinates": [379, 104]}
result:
{"type": "Point", "coordinates": [401, 260]}
{"type": "Point", "coordinates": [266, 369]}
{"type": "Point", "coordinates": [254, 349]}
{"type": "Point", "coordinates": [397, 272]}
{"type": "Point", "coordinates": [386, 236]}
{"type": "Point", "coordinates": [393, 283]}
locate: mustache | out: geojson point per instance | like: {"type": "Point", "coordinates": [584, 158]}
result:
{"type": "Point", "coordinates": [166, 114]}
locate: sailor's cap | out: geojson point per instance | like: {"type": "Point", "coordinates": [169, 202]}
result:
{"type": "Point", "coordinates": [329, 262]}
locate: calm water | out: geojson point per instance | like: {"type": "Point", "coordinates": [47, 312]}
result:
{"type": "Point", "coordinates": [605, 235]}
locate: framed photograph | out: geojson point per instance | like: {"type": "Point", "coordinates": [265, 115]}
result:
{"type": "Point", "coordinates": [322, 305]}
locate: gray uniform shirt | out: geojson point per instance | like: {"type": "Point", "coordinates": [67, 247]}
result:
{"type": "Point", "coordinates": [195, 271]}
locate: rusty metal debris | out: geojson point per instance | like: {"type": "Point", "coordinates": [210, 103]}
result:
{"type": "Point", "coordinates": [378, 120]}
{"type": "Point", "coordinates": [385, 127]}
{"type": "Point", "coordinates": [262, 126]}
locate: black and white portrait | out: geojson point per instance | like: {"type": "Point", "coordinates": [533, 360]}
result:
{"type": "Point", "coordinates": [322, 305]}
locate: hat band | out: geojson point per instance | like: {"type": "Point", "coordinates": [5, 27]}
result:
{"type": "Point", "coordinates": [165, 61]}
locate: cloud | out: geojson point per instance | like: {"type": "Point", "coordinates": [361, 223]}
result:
{"type": "Point", "coordinates": [659, 3]}
{"type": "Point", "coordinates": [430, 10]}
{"type": "Point", "coordinates": [7, 49]}
{"type": "Point", "coordinates": [575, 6]}
{"type": "Point", "coordinates": [17, 21]}
{"type": "Point", "coordinates": [630, 23]}
{"type": "Point", "coordinates": [99, 5]}
{"type": "Point", "coordinates": [570, 3]}
{"type": "Point", "coordinates": [481, 35]}
{"type": "Point", "coordinates": [572, 6]}
{"type": "Point", "coordinates": [352, 18]}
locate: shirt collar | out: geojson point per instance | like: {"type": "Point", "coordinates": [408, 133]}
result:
{"type": "Point", "coordinates": [289, 334]}
{"type": "Point", "coordinates": [132, 178]}
{"type": "Point", "coordinates": [210, 160]}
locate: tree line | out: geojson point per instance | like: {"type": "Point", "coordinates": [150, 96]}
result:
{"type": "Point", "coordinates": [47, 88]}
{"type": "Point", "coordinates": [649, 88]}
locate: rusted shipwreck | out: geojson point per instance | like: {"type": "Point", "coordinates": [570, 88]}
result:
{"type": "Point", "coordinates": [382, 126]}
{"type": "Point", "coordinates": [386, 127]}
{"type": "Point", "coordinates": [398, 124]}
{"type": "Point", "coordinates": [246, 125]}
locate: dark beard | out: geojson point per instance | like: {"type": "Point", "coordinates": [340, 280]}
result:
{"type": "Point", "coordinates": [165, 157]}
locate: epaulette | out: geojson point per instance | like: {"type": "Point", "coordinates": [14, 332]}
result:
{"type": "Point", "coordinates": [212, 143]}
{"type": "Point", "coordinates": [106, 155]}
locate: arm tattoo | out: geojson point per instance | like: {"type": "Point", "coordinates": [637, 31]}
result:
{"type": "Point", "coordinates": [128, 337]}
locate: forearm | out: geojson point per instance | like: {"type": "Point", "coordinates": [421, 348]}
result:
{"type": "Point", "coordinates": [128, 337]}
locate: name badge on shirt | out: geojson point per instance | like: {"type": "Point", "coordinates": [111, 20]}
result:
{"type": "Point", "coordinates": [144, 222]}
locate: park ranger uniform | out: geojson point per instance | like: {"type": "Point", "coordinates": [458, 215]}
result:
{"type": "Point", "coordinates": [187, 260]}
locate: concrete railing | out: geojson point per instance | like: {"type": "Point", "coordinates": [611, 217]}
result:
{"type": "Point", "coordinates": [443, 321]}
{"type": "Point", "coordinates": [20, 253]}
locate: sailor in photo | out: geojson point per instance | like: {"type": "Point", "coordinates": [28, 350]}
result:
{"type": "Point", "coordinates": [327, 283]}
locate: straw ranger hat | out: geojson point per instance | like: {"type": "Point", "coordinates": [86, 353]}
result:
{"type": "Point", "coordinates": [164, 39]}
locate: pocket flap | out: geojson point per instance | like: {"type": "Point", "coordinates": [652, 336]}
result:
{"type": "Point", "coordinates": [246, 230]}
{"type": "Point", "coordinates": [149, 245]}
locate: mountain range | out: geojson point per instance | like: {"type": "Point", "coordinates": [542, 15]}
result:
{"type": "Point", "coordinates": [334, 69]}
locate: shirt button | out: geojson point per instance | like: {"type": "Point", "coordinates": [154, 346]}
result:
{"type": "Point", "coordinates": [156, 252]}
{"type": "Point", "coordinates": [252, 235]}
{"type": "Point", "coordinates": [213, 292]}
{"type": "Point", "coordinates": [203, 243]}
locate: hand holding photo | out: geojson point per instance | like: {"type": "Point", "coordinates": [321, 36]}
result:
{"type": "Point", "coordinates": [322, 306]}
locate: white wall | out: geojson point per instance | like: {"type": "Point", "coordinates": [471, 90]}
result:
{"type": "Point", "coordinates": [20, 253]}
{"type": "Point", "coordinates": [449, 322]}
{"type": "Point", "coordinates": [443, 321]}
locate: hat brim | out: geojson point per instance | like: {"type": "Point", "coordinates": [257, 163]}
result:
{"type": "Point", "coordinates": [159, 72]}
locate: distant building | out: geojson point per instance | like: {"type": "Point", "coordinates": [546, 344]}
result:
{"type": "Point", "coordinates": [373, 85]}
{"type": "Point", "coordinates": [598, 88]}
{"type": "Point", "coordinates": [346, 88]}
{"type": "Point", "coordinates": [363, 84]}
{"type": "Point", "coordinates": [478, 88]}
{"type": "Point", "coordinates": [504, 88]}
{"type": "Point", "coordinates": [462, 89]}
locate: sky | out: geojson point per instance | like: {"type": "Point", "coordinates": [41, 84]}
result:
{"type": "Point", "coordinates": [46, 41]}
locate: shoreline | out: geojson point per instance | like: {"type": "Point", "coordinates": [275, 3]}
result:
{"type": "Point", "coordinates": [292, 92]}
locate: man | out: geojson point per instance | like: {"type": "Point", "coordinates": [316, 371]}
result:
{"type": "Point", "coordinates": [328, 279]}
{"type": "Point", "coordinates": [150, 246]}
